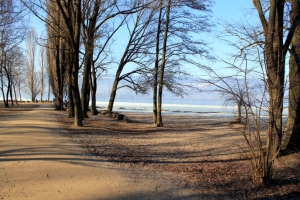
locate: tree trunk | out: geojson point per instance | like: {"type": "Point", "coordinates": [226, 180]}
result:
{"type": "Point", "coordinates": [93, 87]}
{"type": "Point", "coordinates": [85, 90]}
{"type": "Point", "coordinates": [275, 52]}
{"type": "Point", "coordinates": [293, 124]}
{"type": "Point", "coordinates": [156, 66]}
{"type": "Point", "coordinates": [76, 47]}
{"type": "Point", "coordinates": [70, 88]}
{"type": "Point", "coordinates": [163, 64]}
{"type": "Point", "coordinates": [8, 81]}
{"type": "Point", "coordinates": [115, 85]}
{"type": "Point", "coordinates": [15, 93]}
{"type": "Point", "coordinates": [5, 101]}
{"type": "Point", "coordinates": [62, 72]}
{"type": "Point", "coordinates": [155, 93]}
{"type": "Point", "coordinates": [76, 97]}
{"type": "Point", "coordinates": [59, 93]}
{"type": "Point", "coordinates": [19, 91]}
{"type": "Point", "coordinates": [89, 52]}
{"type": "Point", "coordinates": [239, 118]}
{"type": "Point", "coordinates": [49, 91]}
{"type": "Point", "coordinates": [113, 94]}
{"type": "Point", "coordinates": [11, 92]}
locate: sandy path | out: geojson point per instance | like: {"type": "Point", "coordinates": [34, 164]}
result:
{"type": "Point", "coordinates": [36, 163]}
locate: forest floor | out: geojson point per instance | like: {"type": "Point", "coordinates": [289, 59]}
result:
{"type": "Point", "coordinates": [191, 157]}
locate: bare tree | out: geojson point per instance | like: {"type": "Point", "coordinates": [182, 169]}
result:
{"type": "Point", "coordinates": [292, 139]}
{"type": "Point", "coordinates": [33, 78]}
{"type": "Point", "coordinates": [175, 45]}
{"type": "Point", "coordinates": [56, 50]}
{"type": "Point", "coordinates": [139, 42]}
{"type": "Point", "coordinates": [70, 13]}
{"type": "Point", "coordinates": [43, 67]}
{"type": "Point", "coordinates": [276, 45]}
{"type": "Point", "coordinates": [96, 27]}
{"type": "Point", "coordinates": [12, 33]}
{"type": "Point", "coordinates": [163, 64]}
{"type": "Point", "coordinates": [230, 87]}
{"type": "Point", "coordinates": [72, 17]}
{"type": "Point", "coordinates": [19, 71]}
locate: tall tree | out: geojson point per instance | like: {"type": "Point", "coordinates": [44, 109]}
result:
{"type": "Point", "coordinates": [12, 33]}
{"type": "Point", "coordinates": [97, 26]}
{"type": "Point", "coordinates": [89, 29]}
{"type": "Point", "coordinates": [163, 64]}
{"type": "Point", "coordinates": [19, 71]}
{"type": "Point", "coordinates": [71, 18]}
{"type": "Point", "coordinates": [140, 40]}
{"type": "Point", "coordinates": [33, 79]}
{"type": "Point", "coordinates": [293, 123]}
{"type": "Point", "coordinates": [276, 47]}
{"type": "Point", "coordinates": [176, 45]}
{"type": "Point", "coordinates": [156, 63]}
{"type": "Point", "coordinates": [43, 67]}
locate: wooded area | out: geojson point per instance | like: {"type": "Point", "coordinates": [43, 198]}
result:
{"type": "Point", "coordinates": [164, 42]}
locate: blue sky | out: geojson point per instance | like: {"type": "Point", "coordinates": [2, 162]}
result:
{"type": "Point", "coordinates": [231, 9]}
{"type": "Point", "coordinates": [223, 10]}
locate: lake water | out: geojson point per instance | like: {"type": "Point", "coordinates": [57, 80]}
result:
{"type": "Point", "coordinates": [216, 111]}
{"type": "Point", "coordinates": [185, 109]}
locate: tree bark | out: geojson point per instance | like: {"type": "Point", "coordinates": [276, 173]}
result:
{"type": "Point", "coordinates": [85, 82]}
{"type": "Point", "coordinates": [239, 118]}
{"type": "Point", "coordinates": [70, 89]}
{"type": "Point", "coordinates": [8, 81]}
{"type": "Point", "coordinates": [59, 92]}
{"type": "Point", "coordinates": [275, 61]}
{"type": "Point", "coordinates": [156, 66]}
{"type": "Point", "coordinates": [72, 17]}
{"type": "Point", "coordinates": [89, 51]}
{"type": "Point", "coordinates": [163, 64]}
{"type": "Point", "coordinates": [78, 117]}
{"type": "Point", "coordinates": [114, 89]}
{"type": "Point", "coordinates": [93, 87]}
{"type": "Point", "coordinates": [293, 122]}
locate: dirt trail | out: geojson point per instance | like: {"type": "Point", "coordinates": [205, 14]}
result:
{"type": "Point", "coordinates": [37, 163]}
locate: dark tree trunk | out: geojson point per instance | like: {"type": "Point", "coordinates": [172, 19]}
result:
{"type": "Point", "coordinates": [113, 93]}
{"type": "Point", "coordinates": [93, 87]}
{"type": "Point", "coordinates": [59, 94]}
{"type": "Point", "coordinates": [8, 83]}
{"type": "Point", "coordinates": [275, 66]}
{"type": "Point", "coordinates": [115, 85]}
{"type": "Point", "coordinates": [239, 117]}
{"type": "Point", "coordinates": [70, 89]}
{"type": "Point", "coordinates": [156, 66]}
{"type": "Point", "coordinates": [89, 52]}
{"type": "Point", "coordinates": [15, 93]}
{"type": "Point", "coordinates": [78, 117]}
{"type": "Point", "coordinates": [85, 90]}
{"type": "Point", "coordinates": [163, 64]}
{"type": "Point", "coordinates": [49, 91]}
{"type": "Point", "coordinates": [275, 52]}
{"type": "Point", "coordinates": [292, 140]}
{"type": "Point", "coordinates": [11, 92]}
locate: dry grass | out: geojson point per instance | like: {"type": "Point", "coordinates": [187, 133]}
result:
{"type": "Point", "coordinates": [204, 153]}
{"type": "Point", "coordinates": [24, 105]}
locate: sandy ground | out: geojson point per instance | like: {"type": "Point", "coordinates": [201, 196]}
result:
{"type": "Point", "coordinates": [42, 156]}
{"type": "Point", "coordinates": [36, 163]}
